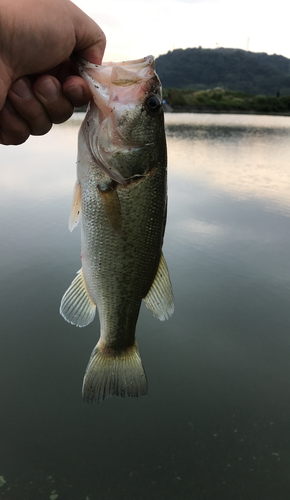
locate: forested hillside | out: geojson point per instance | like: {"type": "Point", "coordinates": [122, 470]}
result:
{"type": "Point", "coordinates": [230, 69]}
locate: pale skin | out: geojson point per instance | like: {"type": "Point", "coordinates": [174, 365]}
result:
{"type": "Point", "coordinates": [38, 85]}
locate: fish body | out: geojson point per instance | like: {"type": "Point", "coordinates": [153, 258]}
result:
{"type": "Point", "coordinates": [121, 196]}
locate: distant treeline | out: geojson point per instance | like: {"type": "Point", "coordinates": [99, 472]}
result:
{"type": "Point", "coordinates": [230, 69]}
{"type": "Point", "coordinates": [220, 100]}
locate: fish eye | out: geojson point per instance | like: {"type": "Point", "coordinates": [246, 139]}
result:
{"type": "Point", "coordinates": [153, 104]}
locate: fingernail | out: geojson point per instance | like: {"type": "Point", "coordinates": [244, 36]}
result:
{"type": "Point", "coordinates": [22, 89]}
{"type": "Point", "coordinates": [75, 92]}
{"type": "Point", "coordinates": [48, 89]}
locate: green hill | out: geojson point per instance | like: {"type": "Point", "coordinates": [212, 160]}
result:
{"type": "Point", "coordinates": [230, 69]}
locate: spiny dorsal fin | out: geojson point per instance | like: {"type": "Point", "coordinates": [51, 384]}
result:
{"type": "Point", "coordinates": [76, 207]}
{"type": "Point", "coordinates": [159, 299]}
{"type": "Point", "coordinates": [76, 306]}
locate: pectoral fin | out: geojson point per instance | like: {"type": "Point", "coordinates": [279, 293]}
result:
{"type": "Point", "coordinates": [111, 204]}
{"type": "Point", "coordinates": [76, 207]}
{"type": "Point", "coordinates": [159, 299]}
{"type": "Point", "coordinates": [76, 305]}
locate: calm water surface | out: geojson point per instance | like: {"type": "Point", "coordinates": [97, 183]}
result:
{"type": "Point", "coordinates": [216, 421]}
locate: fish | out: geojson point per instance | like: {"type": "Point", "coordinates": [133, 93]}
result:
{"type": "Point", "coordinates": [120, 196]}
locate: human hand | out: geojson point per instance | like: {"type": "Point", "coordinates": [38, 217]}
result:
{"type": "Point", "coordinates": [38, 86]}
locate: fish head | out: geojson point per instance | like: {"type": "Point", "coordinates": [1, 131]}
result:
{"type": "Point", "coordinates": [124, 126]}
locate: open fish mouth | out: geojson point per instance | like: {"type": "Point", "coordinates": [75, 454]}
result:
{"type": "Point", "coordinates": [121, 74]}
{"type": "Point", "coordinates": [111, 83]}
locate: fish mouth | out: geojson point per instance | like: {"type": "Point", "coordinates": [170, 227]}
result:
{"type": "Point", "coordinates": [121, 74]}
{"type": "Point", "coordinates": [111, 83]}
{"type": "Point", "coordinates": [116, 89]}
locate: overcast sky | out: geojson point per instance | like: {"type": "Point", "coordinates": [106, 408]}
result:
{"type": "Point", "coordinates": [135, 28]}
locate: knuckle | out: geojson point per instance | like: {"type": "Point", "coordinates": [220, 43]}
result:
{"type": "Point", "coordinates": [14, 129]}
{"type": "Point", "coordinates": [19, 134]}
{"type": "Point", "coordinates": [14, 137]}
{"type": "Point", "coordinates": [63, 114]}
{"type": "Point", "coordinates": [19, 137]}
{"type": "Point", "coordinates": [41, 128]}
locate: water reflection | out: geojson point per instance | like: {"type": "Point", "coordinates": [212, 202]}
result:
{"type": "Point", "coordinates": [247, 157]}
{"type": "Point", "coordinates": [215, 422]}
{"type": "Point", "coordinates": [43, 168]}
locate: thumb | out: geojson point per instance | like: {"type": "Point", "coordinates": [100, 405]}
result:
{"type": "Point", "coordinates": [94, 53]}
{"type": "Point", "coordinates": [90, 38]}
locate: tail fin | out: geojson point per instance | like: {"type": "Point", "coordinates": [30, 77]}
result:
{"type": "Point", "coordinates": [120, 374]}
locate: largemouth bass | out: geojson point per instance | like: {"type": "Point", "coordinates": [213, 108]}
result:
{"type": "Point", "coordinates": [121, 197]}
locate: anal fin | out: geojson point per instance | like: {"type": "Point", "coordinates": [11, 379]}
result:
{"type": "Point", "coordinates": [159, 299]}
{"type": "Point", "coordinates": [76, 306]}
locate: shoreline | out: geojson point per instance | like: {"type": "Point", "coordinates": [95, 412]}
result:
{"type": "Point", "coordinates": [193, 109]}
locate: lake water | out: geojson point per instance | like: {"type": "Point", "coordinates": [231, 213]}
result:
{"type": "Point", "coordinates": [216, 421]}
